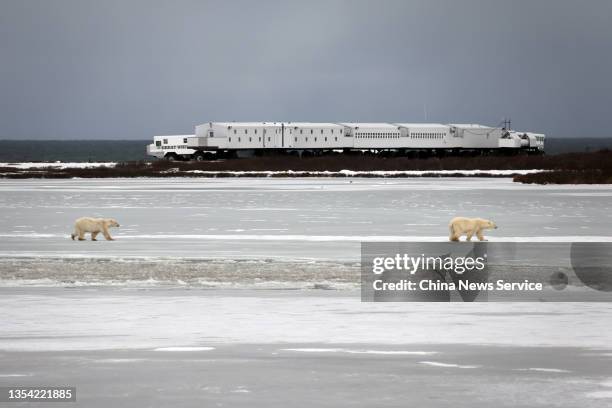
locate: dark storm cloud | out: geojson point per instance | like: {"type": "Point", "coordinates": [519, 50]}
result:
{"type": "Point", "coordinates": [131, 69]}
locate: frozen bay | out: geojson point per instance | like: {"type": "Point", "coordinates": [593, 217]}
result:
{"type": "Point", "coordinates": [232, 291]}
{"type": "Point", "coordinates": [285, 219]}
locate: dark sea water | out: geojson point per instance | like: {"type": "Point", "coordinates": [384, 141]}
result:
{"type": "Point", "coordinates": [72, 150]}
{"type": "Point", "coordinates": [126, 150]}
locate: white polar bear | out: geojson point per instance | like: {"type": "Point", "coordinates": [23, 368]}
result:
{"type": "Point", "coordinates": [94, 226]}
{"type": "Point", "coordinates": [459, 226]}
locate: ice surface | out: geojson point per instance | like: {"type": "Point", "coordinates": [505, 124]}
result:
{"type": "Point", "coordinates": [265, 236]}
{"type": "Point", "coordinates": [445, 365]}
{"type": "Point", "coordinates": [67, 319]}
{"type": "Point", "coordinates": [544, 370]}
{"type": "Point", "coordinates": [356, 351]}
{"type": "Point", "coordinates": [261, 375]}
{"type": "Point", "coordinates": [285, 219]}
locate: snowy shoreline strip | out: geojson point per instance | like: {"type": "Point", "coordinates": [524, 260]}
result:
{"type": "Point", "coordinates": [370, 173]}
{"type": "Point", "coordinates": [283, 173]}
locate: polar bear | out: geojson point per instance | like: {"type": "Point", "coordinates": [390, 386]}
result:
{"type": "Point", "coordinates": [94, 226]}
{"type": "Point", "coordinates": [459, 226]}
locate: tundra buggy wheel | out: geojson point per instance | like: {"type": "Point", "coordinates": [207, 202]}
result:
{"type": "Point", "coordinates": [199, 156]}
{"type": "Point", "coordinates": [171, 157]}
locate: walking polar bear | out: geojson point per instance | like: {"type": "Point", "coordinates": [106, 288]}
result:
{"type": "Point", "coordinates": [459, 226]}
{"type": "Point", "coordinates": [94, 226]}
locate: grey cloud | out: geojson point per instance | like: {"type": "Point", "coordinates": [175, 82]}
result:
{"type": "Point", "coordinates": [131, 69]}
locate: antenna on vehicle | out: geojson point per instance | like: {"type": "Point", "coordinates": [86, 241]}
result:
{"type": "Point", "coordinates": [507, 124]}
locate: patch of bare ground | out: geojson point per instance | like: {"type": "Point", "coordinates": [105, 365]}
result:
{"type": "Point", "coordinates": [568, 168]}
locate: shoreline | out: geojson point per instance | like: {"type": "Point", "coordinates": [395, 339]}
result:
{"type": "Point", "coordinates": [568, 168]}
{"type": "Point", "coordinates": [49, 170]}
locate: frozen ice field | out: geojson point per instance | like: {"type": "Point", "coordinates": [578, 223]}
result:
{"type": "Point", "coordinates": [195, 304]}
{"type": "Point", "coordinates": [286, 219]}
{"type": "Point", "coordinates": [262, 348]}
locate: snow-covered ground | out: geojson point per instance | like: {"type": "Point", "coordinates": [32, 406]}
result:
{"type": "Point", "coordinates": [372, 173]}
{"type": "Point", "coordinates": [68, 319]}
{"type": "Point", "coordinates": [265, 233]}
{"type": "Point", "coordinates": [286, 219]}
{"type": "Point", "coordinates": [197, 297]}
{"type": "Point", "coordinates": [289, 173]}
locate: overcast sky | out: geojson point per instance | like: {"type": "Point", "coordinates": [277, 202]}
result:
{"type": "Point", "coordinates": [129, 69]}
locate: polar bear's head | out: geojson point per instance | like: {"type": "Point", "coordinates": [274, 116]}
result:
{"type": "Point", "coordinates": [111, 222]}
{"type": "Point", "coordinates": [491, 225]}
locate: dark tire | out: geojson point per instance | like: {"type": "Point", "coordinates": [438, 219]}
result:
{"type": "Point", "coordinates": [171, 157]}
{"type": "Point", "coordinates": [199, 156]}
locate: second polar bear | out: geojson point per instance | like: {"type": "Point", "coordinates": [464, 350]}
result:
{"type": "Point", "coordinates": [93, 226]}
{"type": "Point", "coordinates": [459, 226]}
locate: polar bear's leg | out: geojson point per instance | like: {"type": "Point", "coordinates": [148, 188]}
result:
{"type": "Point", "coordinates": [453, 235]}
{"type": "Point", "coordinates": [94, 235]}
{"type": "Point", "coordinates": [81, 235]}
{"type": "Point", "coordinates": [76, 233]}
{"type": "Point", "coordinates": [480, 236]}
{"type": "Point", "coordinates": [106, 234]}
{"type": "Point", "coordinates": [470, 234]}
